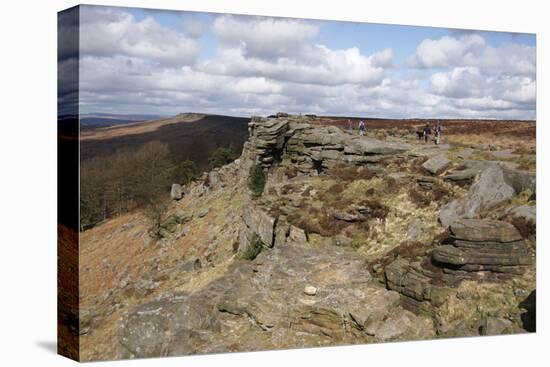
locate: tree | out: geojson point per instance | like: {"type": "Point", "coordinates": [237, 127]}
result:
{"type": "Point", "coordinates": [256, 180]}
{"type": "Point", "coordinates": [153, 177]}
{"type": "Point", "coordinates": [127, 179]}
{"type": "Point", "coordinates": [223, 156]}
{"type": "Point", "coordinates": [186, 171]}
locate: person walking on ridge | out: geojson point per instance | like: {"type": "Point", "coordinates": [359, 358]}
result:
{"type": "Point", "coordinates": [437, 133]}
{"type": "Point", "coordinates": [362, 128]}
{"type": "Point", "coordinates": [427, 131]}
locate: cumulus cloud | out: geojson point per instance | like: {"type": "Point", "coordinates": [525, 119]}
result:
{"type": "Point", "coordinates": [265, 38]}
{"type": "Point", "coordinates": [260, 65]}
{"type": "Point", "coordinates": [106, 32]}
{"type": "Point", "coordinates": [473, 50]}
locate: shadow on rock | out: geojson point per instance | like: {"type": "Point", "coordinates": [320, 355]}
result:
{"type": "Point", "coordinates": [529, 317]}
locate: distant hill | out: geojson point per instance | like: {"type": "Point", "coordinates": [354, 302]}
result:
{"type": "Point", "coordinates": [92, 120]}
{"type": "Point", "coordinates": [189, 136]}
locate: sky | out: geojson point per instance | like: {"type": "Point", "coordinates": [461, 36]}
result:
{"type": "Point", "coordinates": [138, 61]}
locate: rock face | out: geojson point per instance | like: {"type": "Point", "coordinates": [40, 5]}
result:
{"type": "Point", "coordinates": [495, 185]}
{"type": "Point", "coordinates": [262, 305]}
{"type": "Point", "coordinates": [310, 148]}
{"type": "Point", "coordinates": [477, 249]}
{"type": "Point", "coordinates": [483, 245]}
{"type": "Point", "coordinates": [257, 222]}
{"type": "Point", "coordinates": [436, 164]}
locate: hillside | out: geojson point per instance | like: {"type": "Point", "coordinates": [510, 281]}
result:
{"type": "Point", "coordinates": [189, 136]}
{"type": "Point", "coordinates": [351, 240]}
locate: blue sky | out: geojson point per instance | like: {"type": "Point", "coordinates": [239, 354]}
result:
{"type": "Point", "coordinates": [166, 62]}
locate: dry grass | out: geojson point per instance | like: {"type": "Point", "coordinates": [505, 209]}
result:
{"type": "Point", "coordinates": [346, 172]}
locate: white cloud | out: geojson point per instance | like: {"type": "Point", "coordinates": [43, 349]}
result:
{"type": "Point", "coordinates": [472, 50]}
{"type": "Point", "coordinates": [446, 51]}
{"type": "Point", "coordinates": [110, 32]}
{"type": "Point", "coordinates": [263, 37]}
{"type": "Point", "coordinates": [470, 82]}
{"type": "Point", "coordinates": [264, 65]}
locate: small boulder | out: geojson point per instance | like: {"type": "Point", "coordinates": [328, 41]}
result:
{"type": "Point", "coordinates": [437, 164]}
{"type": "Point", "coordinates": [495, 326]}
{"type": "Point", "coordinates": [491, 189]}
{"type": "Point", "coordinates": [341, 240]}
{"type": "Point", "coordinates": [414, 230]}
{"type": "Point", "coordinates": [310, 290]}
{"type": "Point", "coordinates": [484, 230]}
{"type": "Point", "coordinates": [203, 212]}
{"type": "Point", "coordinates": [176, 193]}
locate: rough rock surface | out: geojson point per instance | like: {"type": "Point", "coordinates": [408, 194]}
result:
{"type": "Point", "coordinates": [176, 193]}
{"type": "Point", "coordinates": [495, 185]}
{"type": "Point", "coordinates": [526, 212]}
{"type": "Point", "coordinates": [311, 148]}
{"type": "Point", "coordinates": [483, 245]}
{"type": "Point", "coordinates": [437, 164]}
{"type": "Point", "coordinates": [262, 305]}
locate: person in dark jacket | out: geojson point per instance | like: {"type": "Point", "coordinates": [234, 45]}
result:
{"type": "Point", "coordinates": [427, 132]}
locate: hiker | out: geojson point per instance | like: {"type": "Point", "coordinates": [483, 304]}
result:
{"type": "Point", "coordinates": [437, 133]}
{"type": "Point", "coordinates": [427, 131]}
{"type": "Point", "coordinates": [350, 127]}
{"type": "Point", "coordinates": [362, 127]}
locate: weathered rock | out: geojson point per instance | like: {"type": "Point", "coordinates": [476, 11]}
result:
{"type": "Point", "coordinates": [526, 212]}
{"type": "Point", "coordinates": [414, 230]}
{"type": "Point", "coordinates": [504, 154]}
{"type": "Point", "coordinates": [341, 240]}
{"type": "Point", "coordinates": [483, 245]}
{"type": "Point", "coordinates": [265, 306]}
{"type": "Point", "coordinates": [310, 290]}
{"type": "Point", "coordinates": [437, 164]}
{"type": "Point", "coordinates": [465, 153]}
{"type": "Point", "coordinates": [495, 326]}
{"type": "Point", "coordinates": [163, 327]}
{"type": "Point", "coordinates": [449, 255]}
{"type": "Point", "coordinates": [491, 189]}
{"type": "Point", "coordinates": [176, 193]}
{"type": "Point", "coordinates": [256, 221]}
{"type": "Point", "coordinates": [520, 180]}
{"type": "Point", "coordinates": [310, 148]}
{"type": "Point", "coordinates": [203, 212]}
{"type": "Point", "coordinates": [483, 230]}
{"type": "Point", "coordinates": [297, 235]}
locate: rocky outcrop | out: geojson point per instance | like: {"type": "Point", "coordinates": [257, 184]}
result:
{"type": "Point", "coordinates": [482, 250]}
{"type": "Point", "coordinates": [483, 246]}
{"type": "Point", "coordinates": [495, 185]}
{"type": "Point", "coordinates": [309, 147]}
{"type": "Point", "coordinates": [262, 304]}
{"type": "Point", "coordinates": [422, 286]}
{"type": "Point", "coordinates": [257, 222]}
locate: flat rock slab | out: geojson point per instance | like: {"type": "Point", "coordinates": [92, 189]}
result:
{"type": "Point", "coordinates": [484, 230]}
{"type": "Point", "coordinates": [436, 164]}
{"type": "Point", "coordinates": [504, 154]}
{"type": "Point", "coordinates": [465, 153]}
